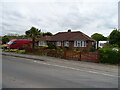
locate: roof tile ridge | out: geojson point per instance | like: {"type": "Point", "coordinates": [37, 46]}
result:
{"type": "Point", "coordinates": [86, 36]}
{"type": "Point", "coordinates": [76, 35]}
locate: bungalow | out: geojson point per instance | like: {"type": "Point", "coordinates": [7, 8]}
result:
{"type": "Point", "coordinates": [102, 44]}
{"type": "Point", "coordinates": [73, 40]}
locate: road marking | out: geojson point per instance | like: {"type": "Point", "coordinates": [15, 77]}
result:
{"type": "Point", "coordinates": [76, 69]}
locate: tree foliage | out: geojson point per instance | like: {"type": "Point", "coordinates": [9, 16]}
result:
{"type": "Point", "coordinates": [98, 37]}
{"type": "Point", "coordinates": [33, 33]}
{"type": "Point", "coordinates": [5, 39]}
{"type": "Point", "coordinates": [8, 37]}
{"type": "Point", "coordinates": [114, 37]}
{"type": "Point", "coordinates": [47, 34]}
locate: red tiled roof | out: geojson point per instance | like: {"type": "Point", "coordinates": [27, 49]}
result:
{"type": "Point", "coordinates": [68, 36]}
{"type": "Point", "coordinates": [47, 38]}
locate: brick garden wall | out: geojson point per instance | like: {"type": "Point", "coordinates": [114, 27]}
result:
{"type": "Point", "coordinates": [73, 55]}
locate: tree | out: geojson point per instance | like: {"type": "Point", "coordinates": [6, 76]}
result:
{"type": "Point", "coordinates": [11, 36]}
{"type": "Point", "coordinates": [33, 33]}
{"type": "Point", "coordinates": [114, 37]}
{"type": "Point", "coordinates": [47, 34]}
{"type": "Point", "coordinates": [98, 37]}
{"type": "Point", "coordinates": [5, 39]}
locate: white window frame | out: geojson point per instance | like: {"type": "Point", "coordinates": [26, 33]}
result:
{"type": "Point", "coordinates": [58, 43]}
{"type": "Point", "coordinates": [42, 43]}
{"type": "Point", "coordinates": [79, 43]}
{"type": "Point", "coordinates": [66, 43]}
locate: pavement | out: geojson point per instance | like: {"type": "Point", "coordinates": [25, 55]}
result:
{"type": "Point", "coordinates": [52, 72]}
{"type": "Point", "coordinates": [75, 64]}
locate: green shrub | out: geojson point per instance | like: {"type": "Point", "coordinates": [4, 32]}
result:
{"type": "Point", "coordinates": [37, 47]}
{"type": "Point", "coordinates": [46, 46]}
{"type": "Point", "coordinates": [107, 55]}
{"type": "Point", "coordinates": [10, 50]}
{"type": "Point", "coordinates": [65, 48]}
{"type": "Point", "coordinates": [51, 46]}
{"type": "Point", "coordinates": [14, 50]}
{"type": "Point", "coordinates": [92, 49]}
{"type": "Point", "coordinates": [21, 51]}
{"type": "Point", "coordinates": [3, 45]}
{"type": "Point", "coordinates": [113, 45]}
{"type": "Point", "coordinates": [58, 48]}
{"type": "Point", "coordinates": [6, 50]}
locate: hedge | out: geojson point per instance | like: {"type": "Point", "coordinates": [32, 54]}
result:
{"type": "Point", "coordinates": [107, 55]}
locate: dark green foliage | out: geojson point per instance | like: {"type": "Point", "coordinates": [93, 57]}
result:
{"type": "Point", "coordinates": [8, 37]}
{"type": "Point", "coordinates": [5, 39]}
{"type": "Point", "coordinates": [33, 33]}
{"type": "Point", "coordinates": [66, 48]}
{"type": "Point", "coordinates": [51, 46]}
{"type": "Point", "coordinates": [37, 47]}
{"type": "Point", "coordinates": [107, 55]}
{"type": "Point", "coordinates": [114, 37]}
{"type": "Point", "coordinates": [98, 37]}
{"type": "Point", "coordinates": [47, 34]}
{"type": "Point", "coordinates": [93, 49]}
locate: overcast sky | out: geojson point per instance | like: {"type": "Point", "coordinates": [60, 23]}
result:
{"type": "Point", "coordinates": [88, 16]}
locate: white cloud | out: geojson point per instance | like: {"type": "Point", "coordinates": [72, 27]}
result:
{"type": "Point", "coordinates": [54, 16]}
{"type": "Point", "coordinates": [59, 0]}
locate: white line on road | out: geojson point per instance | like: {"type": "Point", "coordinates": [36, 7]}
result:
{"type": "Point", "coordinates": [76, 69]}
{"type": "Point", "coordinates": [89, 71]}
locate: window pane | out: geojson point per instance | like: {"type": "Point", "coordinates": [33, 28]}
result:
{"type": "Point", "coordinates": [58, 43]}
{"type": "Point", "coordinates": [76, 44]}
{"type": "Point", "coordinates": [9, 43]}
{"type": "Point", "coordinates": [80, 43]}
{"type": "Point", "coordinates": [85, 43]}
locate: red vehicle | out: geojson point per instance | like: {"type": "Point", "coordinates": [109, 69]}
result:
{"type": "Point", "coordinates": [18, 44]}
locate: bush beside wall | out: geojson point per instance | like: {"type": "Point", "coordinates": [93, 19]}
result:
{"type": "Point", "coordinates": [107, 55]}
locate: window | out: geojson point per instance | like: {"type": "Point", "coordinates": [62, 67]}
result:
{"type": "Point", "coordinates": [11, 43]}
{"type": "Point", "coordinates": [58, 43]}
{"type": "Point", "coordinates": [66, 43]}
{"type": "Point", "coordinates": [42, 43]}
{"type": "Point", "coordinates": [79, 43]}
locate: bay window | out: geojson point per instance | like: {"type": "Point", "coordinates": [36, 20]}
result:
{"type": "Point", "coordinates": [42, 43]}
{"type": "Point", "coordinates": [79, 43]}
{"type": "Point", "coordinates": [66, 43]}
{"type": "Point", "coordinates": [58, 43]}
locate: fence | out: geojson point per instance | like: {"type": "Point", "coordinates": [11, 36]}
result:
{"type": "Point", "coordinates": [74, 55]}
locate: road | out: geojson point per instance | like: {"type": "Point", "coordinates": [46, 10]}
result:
{"type": "Point", "coordinates": [26, 73]}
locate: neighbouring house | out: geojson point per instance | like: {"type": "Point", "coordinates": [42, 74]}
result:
{"type": "Point", "coordinates": [36, 41]}
{"type": "Point", "coordinates": [102, 44]}
{"type": "Point", "coordinates": [70, 39]}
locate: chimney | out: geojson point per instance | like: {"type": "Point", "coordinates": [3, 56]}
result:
{"type": "Point", "coordinates": [69, 30]}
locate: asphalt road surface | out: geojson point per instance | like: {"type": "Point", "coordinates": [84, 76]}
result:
{"type": "Point", "coordinates": [25, 73]}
